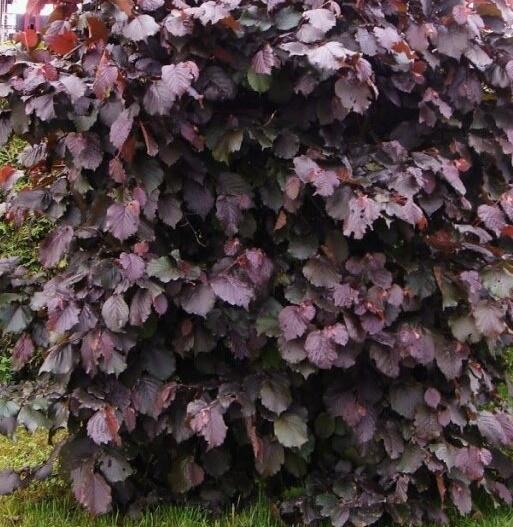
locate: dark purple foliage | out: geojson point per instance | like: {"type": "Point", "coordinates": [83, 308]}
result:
{"type": "Point", "coordinates": [283, 247]}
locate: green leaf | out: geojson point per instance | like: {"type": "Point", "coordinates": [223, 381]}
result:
{"type": "Point", "coordinates": [259, 83]}
{"type": "Point", "coordinates": [228, 143]}
{"type": "Point", "coordinates": [464, 329]}
{"type": "Point", "coordinates": [267, 322]}
{"type": "Point", "coordinates": [291, 430]}
{"type": "Point", "coordinates": [162, 269]}
{"type": "Point", "coordinates": [17, 320]}
{"type": "Point", "coordinates": [8, 408]}
{"type": "Point", "coordinates": [287, 18]}
{"type": "Point", "coordinates": [499, 282]}
{"type": "Point", "coordinates": [185, 474]}
{"type": "Point", "coordinates": [32, 419]}
{"type": "Point", "coordinates": [324, 425]}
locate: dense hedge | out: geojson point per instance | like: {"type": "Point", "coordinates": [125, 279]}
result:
{"type": "Point", "coordinates": [283, 251]}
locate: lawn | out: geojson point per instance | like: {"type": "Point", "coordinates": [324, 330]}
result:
{"type": "Point", "coordinates": [50, 504]}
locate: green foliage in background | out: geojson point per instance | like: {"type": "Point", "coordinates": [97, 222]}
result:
{"type": "Point", "coordinates": [18, 241]}
{"type": "Point", "coordinates": [23, 241]}
{"type": "Point", "coordinates": [9, 153]}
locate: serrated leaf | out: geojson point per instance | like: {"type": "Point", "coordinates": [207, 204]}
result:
{"type": "Point", "coordinates": [259, 82]}
{"type": "Point", "coordinates": [115, 312]}
{"type": "Point", "coordinates": [291, 430]}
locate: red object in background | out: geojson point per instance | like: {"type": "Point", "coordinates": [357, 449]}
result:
{"type": "Point", "coordinates": [28, 38]}
{"type": "Point", "coordinates": [6, 172]}
{"type": "Point", "coordinates": [62, 43]}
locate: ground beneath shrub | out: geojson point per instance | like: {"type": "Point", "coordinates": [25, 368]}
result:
{"type": "Point", "coordinates": [49, 504]}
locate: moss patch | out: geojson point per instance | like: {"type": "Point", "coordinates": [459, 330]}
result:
{"type": "Point", "coordinates": [23, 241]}
{"type": "Point", "coordinates": [9, 152]}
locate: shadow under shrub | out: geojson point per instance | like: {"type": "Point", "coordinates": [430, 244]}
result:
{"type": "Point", "coordinates": [289, 235]}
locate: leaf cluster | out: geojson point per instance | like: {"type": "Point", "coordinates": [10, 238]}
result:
{"type": "Point", "coordinates": [288, 228]}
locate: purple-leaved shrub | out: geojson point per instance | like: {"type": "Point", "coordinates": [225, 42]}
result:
{"type": "Point", "coordinates": [283, 251]}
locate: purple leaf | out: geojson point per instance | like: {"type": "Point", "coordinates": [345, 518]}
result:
{"type": "Point", "coordinates": [210, 12]}
{"type": "Point", "coordinates": [121, 128]}
{"type": "Point", "coordinates": [308, 171]}
{"type": "Point", "coordinates": [363, 212]}
{"type": "Point", "coordinates": [140, 28]}
{"type": "Point", "coordinates": [59, 361]}
{"type": "Point", "coordinates": [207, 420]}
{"type": "Point", "coordinates": [150, 5]}
{"type": "Point", "coordinates": [140, 307]}
{"type": "Point", "coordinates": [232, 290]}
{"type": "Point", "coordinates": [432, 397]}
{"type": "Point", "coordinates": [489, 318]}
{"type": "Point", "coordinates": [405, 399]}
{"type": "Point", "coordinates": [347, 406]}
{"type": "Point", "coordinates": [321, 347]}
{"type": "Point", "coordinates": [275, 395]}
{"type": "Point", "coordinates": [169, 211]}
{"type": "Point", "coordinates": [122, 220]}
{"type": "Point", "coordinates": [321, 273]}
{"type": "Point", "coordinates": [263, 61]}
{"type": "Point", "coordinates": [62, 320]}
{"type": "Point", "coordinates": [229, 211]}
{"type": "Point", "coordinates": [53, 248]}
{"type": "Point", "coordinates": [5, 130]}
{"type": "Point", "coordinates": [115, 313]}
{"type": "Point", "coordinates": [9, 482]}
{"type": "Point", "coordinates": [387, 360]}
{"type": "Point", "coordinates": [328, 57]}
{"type": "Point", "coordinates": [492, 217]}
{"type": "Point", "coordinates": [321, 19]}
{"type": "Point", "coordinates": [103, 427]}
{"type": "Point", "coordinates": [176, 80]}
{"type": "Point", "coordinates": [22, 352]}
{"type": "Point", "coordinates": [450, 359]}
{"type": "Point", "coordinates": [198, 198]}
{"type": "Point", "coordinates": [185, 475]}
{"type": "Point", "coordinates": [294, 320]}
{"type": "Point", "coordinates": [198, 299]}
{"type": "Point", "coordinates": [178, 23]}
{"type": "Point", "coordinates": [85, 149]}
{"type": "Point", "coordinates": [355, 96]}
{"type": "Point", "coordinates": [133, 266]}
{"type": "Point", "coordinates": [460, 495]}
{"type": "Point", "coordinates": [91, 490]}
{"type": "Point", "coordinates": [96, 344]}
{"type": "Point", "coordinates": [387, 37]}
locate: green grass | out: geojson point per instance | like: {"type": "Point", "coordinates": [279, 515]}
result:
{"type": "Point", "coordinates": [50, 504]}
{"type": "Point", "coordinates": [62, 512]}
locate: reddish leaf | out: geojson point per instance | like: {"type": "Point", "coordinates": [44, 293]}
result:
{"type": "Point", "coordinates": [62, 43]}
{"type": "Point", "coordinates": [207, 420]}
{"type": "Point", "coordinates": [28, 38]}
{"type": "Point", "coordinates": [127, 6]}
{"type": "Point", "coordinates": [22, 352]}
{"type": "Point", "coordinates": [97, 30]}
{"type": "Point", "coordinates": [91, 490]}
{"type": "Point", "coordinates": [54, 247]}
{"type": "Point", "coordinates": [6, 171]}
{"type": "Point", "coordinates": [103, 427]}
